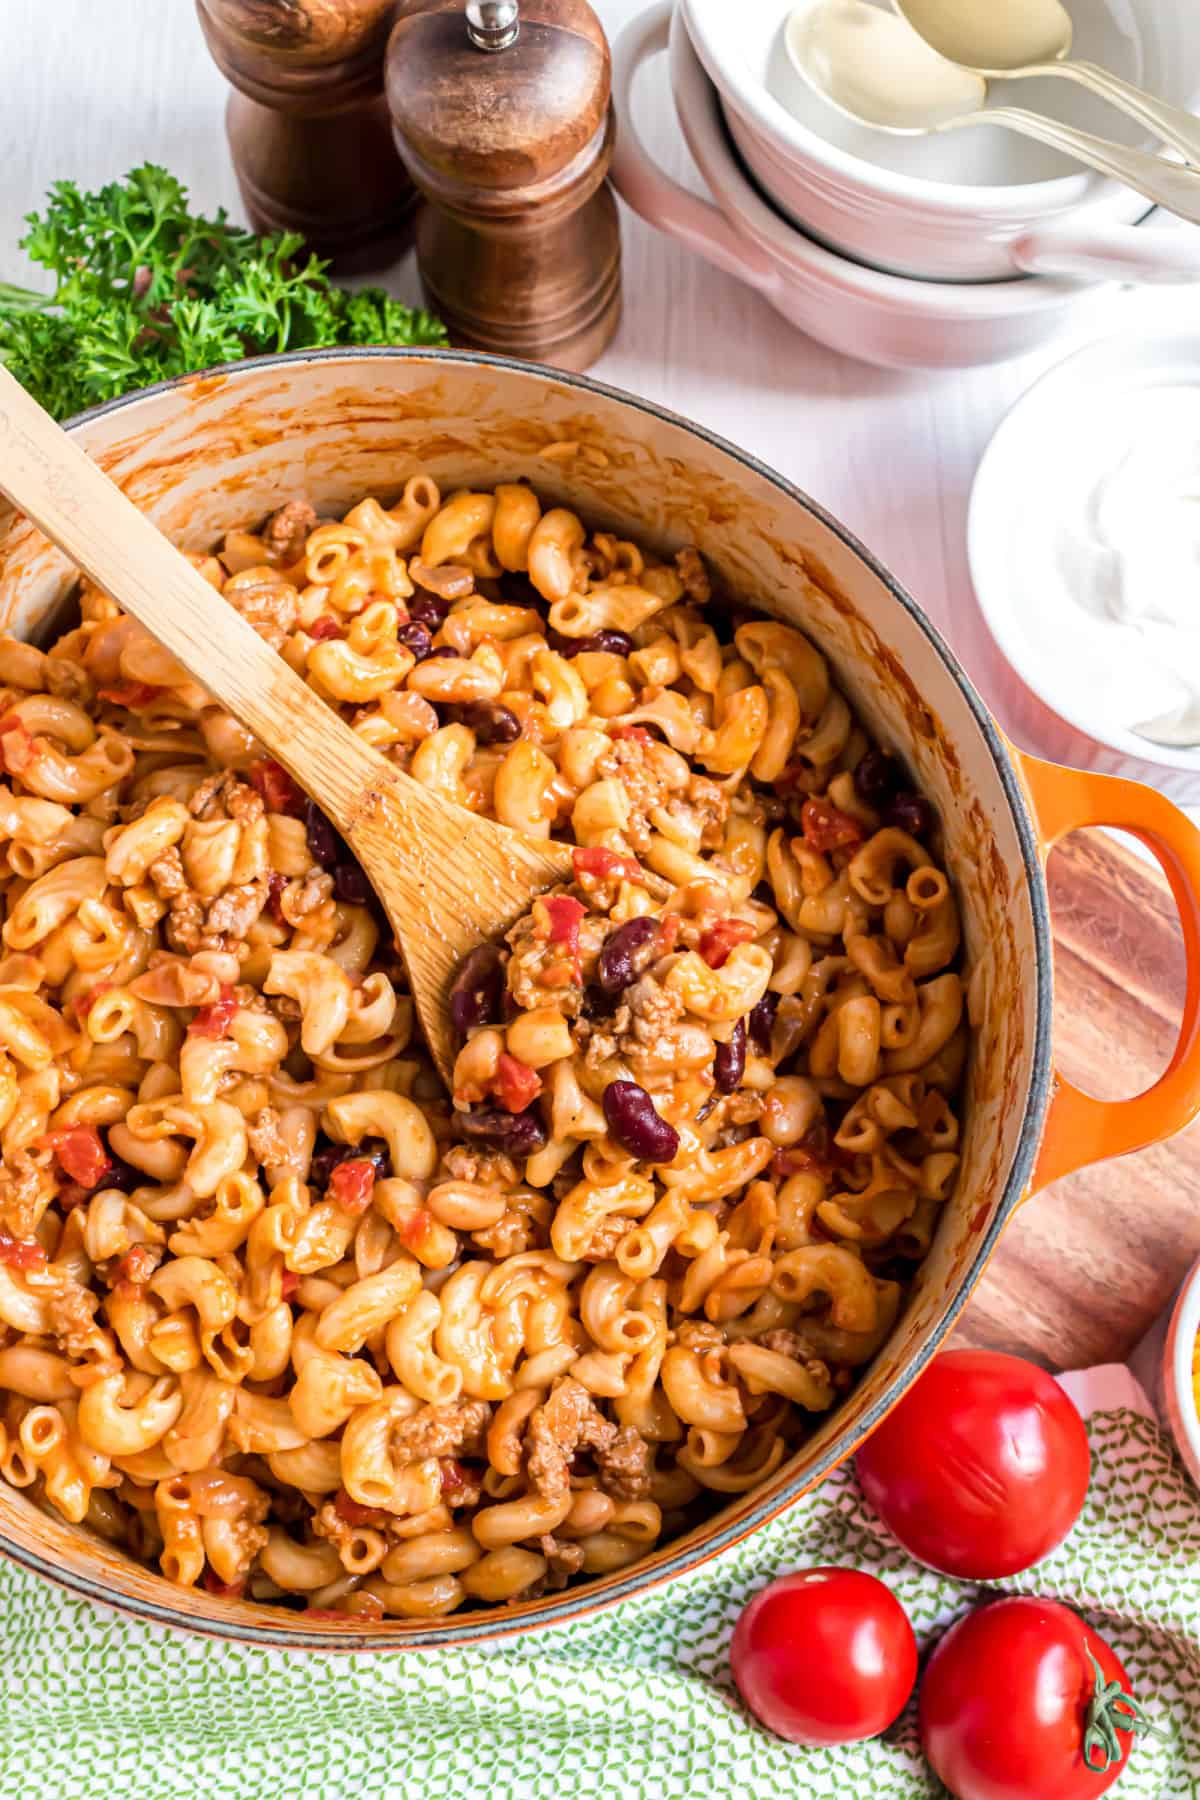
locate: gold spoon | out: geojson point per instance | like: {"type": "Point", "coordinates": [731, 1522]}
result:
{"type": "Point", "coordinates": [447, 880]}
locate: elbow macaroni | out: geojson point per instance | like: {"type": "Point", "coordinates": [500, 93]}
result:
{"type": "Point", "coordinates": [277, 1313]}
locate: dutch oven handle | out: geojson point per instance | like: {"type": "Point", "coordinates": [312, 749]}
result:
{"type": "Point", "coordinates": [1079, 1129]}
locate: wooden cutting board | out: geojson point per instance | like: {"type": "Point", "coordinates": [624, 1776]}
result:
{"type": "Point", "coordinates": [1085, 1267]}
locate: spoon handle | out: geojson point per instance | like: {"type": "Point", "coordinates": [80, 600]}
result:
{"type": "Point", "coordinates": [1168, 184]}
{"type": "Point", "coordinates": [51, 480]}
{"type": "Point", "coordinates": [1176, 128]}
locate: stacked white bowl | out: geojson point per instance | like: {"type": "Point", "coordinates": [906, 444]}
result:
{"type": "Point", "coordinates": [920, 252]}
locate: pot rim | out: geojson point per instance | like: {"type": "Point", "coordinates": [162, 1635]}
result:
{"type": "Point", "coordinates": [575, 1603]}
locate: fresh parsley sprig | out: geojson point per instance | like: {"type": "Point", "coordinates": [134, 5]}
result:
{"type": "Point", "coordinates": [145, 289]}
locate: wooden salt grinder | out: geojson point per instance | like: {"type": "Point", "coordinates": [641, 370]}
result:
{"type": "Point", "coordinates": [308, 125]}
{"type": "Point", "coordinates": [505, 125]}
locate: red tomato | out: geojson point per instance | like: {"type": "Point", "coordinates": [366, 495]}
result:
{"type": "Point", "coordinates": [564, 915]}
{"type": "Point", "coordinates": [81, 1154]}
{"type": "Point", "coordinates": [596, 860]}
{"type": "Point", "coordinates": [214, 1021]}
{"type": "Point", "coordinates": [720, 939]}
{"type": "Point", "coordinates": [131, 694]}
{"type": "Point", "coordinates": [20, 1253]}
{"type": "Point", "coordinates": [1013, 1708]}
{"type": "Point", "coordinates": [352, 1184]}
{"type": "Point", "coordinates": [326, 626]}
{"type": "Point", "coordinates": [826, 827]}
{"type": "Point", "coordinates": [982, 1468]}
{"type": "Point", "coordinates": [280, 793]}
{"type": "Point", "coordinates": [517, 1085]}
{"type": "Point", "coordinates": [825, 1656]}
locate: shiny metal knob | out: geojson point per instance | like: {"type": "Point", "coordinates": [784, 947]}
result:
{"type": "Point", "coordinates": [493, 24]}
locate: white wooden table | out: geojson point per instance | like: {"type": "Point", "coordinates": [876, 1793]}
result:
{"type": "Point", "coordinates": [93, 87]}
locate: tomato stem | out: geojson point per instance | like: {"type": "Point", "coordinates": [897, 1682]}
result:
{"type": "Point", "coordinates": [1111, 1710]}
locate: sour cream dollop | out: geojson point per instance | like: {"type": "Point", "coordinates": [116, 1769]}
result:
{"type": "Point", "coordinates": [1127, 554]}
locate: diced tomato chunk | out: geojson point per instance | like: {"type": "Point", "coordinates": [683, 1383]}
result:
{"type": "Point", "coordinates": [455, 1477]}
{"type": "Point", "coordinates": [516, 1083]}
{"type": "Point", "coordinates": [80, 1154]}
{"type": "Point", "coordinates": [214, 1021]}
{"type": "Point", "coordinates": [325, 626]}
{"type": "Point", "coordinates": [717, 942]}
{"type": "Point", "coordinates": [825, 827]}
{"type": "Point", "coordinates": [565, 914]}
{"type": "Point", "coordinates": [351, 1184]}
{"type": "Point", "coordinates": [224, 1590]}
{"type": "Point", "coordinates": [415, 1229]}
{"type": "Point", "coordinates": [668, 933]}
{"type": "Point", "coordinates": [596, 860]}
{"type": "Point", "coordinates": [131, 694]}
{"type": "Point", "coordinates": [20, 1253]}
{"type": "Point", "coordinates": [638, 733]}
{"type": "Point", "coordinates": [280, 793]}
{"type": "Point", "coordinates": [137, 1266]}
{"type": "Point", "coordinates": [289, 1281]}
{"type": "Point", "coordinates": [354, 1513]}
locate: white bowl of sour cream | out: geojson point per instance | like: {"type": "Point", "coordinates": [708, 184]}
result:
{"type": "Point", "coordinates": [1084, 547]}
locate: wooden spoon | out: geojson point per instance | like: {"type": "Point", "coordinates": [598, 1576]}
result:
{"type": "Point", "coordinates": [447, 880]}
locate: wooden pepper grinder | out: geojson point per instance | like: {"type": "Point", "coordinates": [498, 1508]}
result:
{"type": "Point", "coordinates": [501, 113]}
{"type": "Point", "coordinates": [308, 125]}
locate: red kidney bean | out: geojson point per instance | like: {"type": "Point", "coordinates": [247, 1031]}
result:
{"type": "Point", "coordinates": [877, 778]}
{"type": "Point", "coordinates": [327, 1157]}
{"type": "Point", "coordinates": [491, 722]}
{"type": "Point", "coordinates": [625, 954]}
{"type": "Point", "coordinates": [520, 1134]}
{"type": "Point", "coordinates": [729, 1063]}
{"type": "Point", "coordinates": [637, 1125]}
{"type": "Point", "coordinates": [428, 610]}
{"type": "Point", "coordinates": [324, 844]}
{"type": "Point", "coordinates": [415, 637]}
{"type": "Point", "coordinates": [121, 1175]}
{"type": "Point", "coordinates": [761, 1019]}
{"type": "Point", "coordinates": [615, 643]}
{"type": "Point", "coordinates": [475, 994]}
{"type": "Point", "coordinates": [350, 884]}
{"type": "Point", "coordinates": [912, 813]}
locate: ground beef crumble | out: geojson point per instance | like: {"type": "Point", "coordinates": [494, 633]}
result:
{"type": "Point", "coordinates": [624, 1465]}
{"type": "Point", "coordinates": [456, 1430]}
{"type": "Point", "coordinates": [568, 1421]}
{"type": "Point", "coordinates": [564, 1560]}
{"type": "Point", "coordinates": [287, 530]}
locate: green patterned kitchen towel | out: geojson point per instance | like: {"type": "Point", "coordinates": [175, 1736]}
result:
{"type": "Point", "coordinates": [635, 1702]}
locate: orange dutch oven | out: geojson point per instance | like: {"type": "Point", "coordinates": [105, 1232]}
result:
{"type": "Point", "coordinates": [213, 451]}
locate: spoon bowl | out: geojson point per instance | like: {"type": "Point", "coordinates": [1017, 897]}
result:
{"type": "Point", "coordinates": [447, 880]}
{"type": "Point", "coordinates": [876, 70]}
{"type": "Point", "coordinates": [991, 40]}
